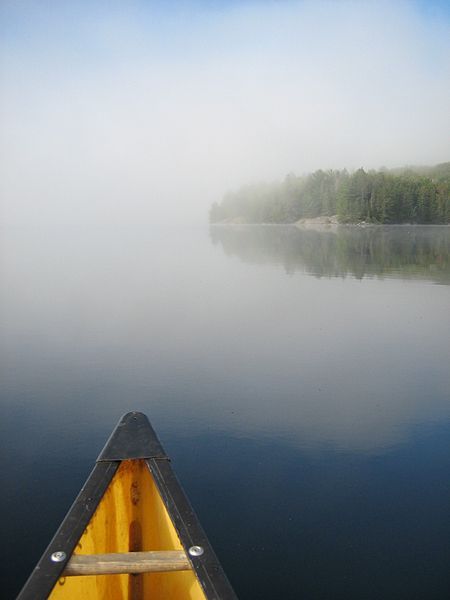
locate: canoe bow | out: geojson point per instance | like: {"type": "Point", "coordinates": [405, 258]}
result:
{"type": "Point", "coordinates": [131, 532]}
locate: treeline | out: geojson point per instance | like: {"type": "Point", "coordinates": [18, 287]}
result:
{"type": "Point", "coordinates": [420, 195]}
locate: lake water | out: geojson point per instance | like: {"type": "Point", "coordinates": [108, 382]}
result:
{"type": "Point", "coordinates": [298, 379]}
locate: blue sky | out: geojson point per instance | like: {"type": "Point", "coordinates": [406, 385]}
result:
{"type": "Point", "coordinates": [151, 111]}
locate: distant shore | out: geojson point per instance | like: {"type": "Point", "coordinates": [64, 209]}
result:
{"type": "Point", "coordinates": [321, 223]}
{"type": "Point", "coordinates": [338, 197]}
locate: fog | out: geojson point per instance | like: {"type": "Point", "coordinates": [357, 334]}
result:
{"type": "Point", "coordinates": [131, 113]}
{"type": "Point", "coordinates": [111, 322]}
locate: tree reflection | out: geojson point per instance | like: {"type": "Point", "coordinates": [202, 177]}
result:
{"type": "Point", "coordinates": [390, 251]}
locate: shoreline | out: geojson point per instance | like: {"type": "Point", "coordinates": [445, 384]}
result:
{"type": "Point", "coordinates": [322, 223]}
{"type": "Point", "coordinates": [330, 223]}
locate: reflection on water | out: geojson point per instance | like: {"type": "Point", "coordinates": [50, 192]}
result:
{"type": "Point", "coordinates": [307, 417]}
{"type": "Point", "coordinates": [400, 251]}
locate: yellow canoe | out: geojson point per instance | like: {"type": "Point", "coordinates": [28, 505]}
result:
{"type": "Point", "coordinates": [131, 534]}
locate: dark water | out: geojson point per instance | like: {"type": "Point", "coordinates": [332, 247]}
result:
{"type": "Point", "coordinates": [299, 380]}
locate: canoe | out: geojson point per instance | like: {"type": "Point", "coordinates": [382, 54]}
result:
{"type": "Point", "coordinates": [131, 533]}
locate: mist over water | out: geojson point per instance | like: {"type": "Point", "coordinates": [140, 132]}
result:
{"type": "Point", "coordinates": [150, 113]}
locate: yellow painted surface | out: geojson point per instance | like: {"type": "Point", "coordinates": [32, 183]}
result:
{"type": "Point", "coordinates": [130, 517]}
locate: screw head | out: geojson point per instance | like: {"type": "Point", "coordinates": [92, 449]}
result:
{"type": "Point", "coordinates": [58, 556]}
{"type": "Point", "coordinates": [195, 550]}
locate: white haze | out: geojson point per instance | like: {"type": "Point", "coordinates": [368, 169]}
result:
{"type": "Point", "coordinates": [129, 114]}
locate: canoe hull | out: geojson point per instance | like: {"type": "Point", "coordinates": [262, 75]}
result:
{"type": "Point", "coordinates": [134, 504]}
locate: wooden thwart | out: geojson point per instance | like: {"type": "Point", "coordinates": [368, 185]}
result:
{"type": "Point", "coordinates": [128, 562]}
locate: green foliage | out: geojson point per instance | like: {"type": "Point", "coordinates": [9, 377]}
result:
{"type": "Point", "coordinates": [403, 196]}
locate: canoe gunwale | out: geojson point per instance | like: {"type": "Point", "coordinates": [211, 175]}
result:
{"type": "Point", "coordinates": [207, 567]}
{"type": "Point", "coordinates": [132, 439]}
{"type": "Point", "coordinates": [47, 572]}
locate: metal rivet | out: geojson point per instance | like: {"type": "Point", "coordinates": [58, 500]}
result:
{"type": "Point", "coordinates": [58, 556]}
{"type": "Point", "coordinates": [195, 550]}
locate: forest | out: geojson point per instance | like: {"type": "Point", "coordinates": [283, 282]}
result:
{"type": "Point", "coordinates": [409, 195]}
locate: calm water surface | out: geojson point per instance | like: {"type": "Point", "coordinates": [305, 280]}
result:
{"type": "Point", "coordinates": [299, 380]}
